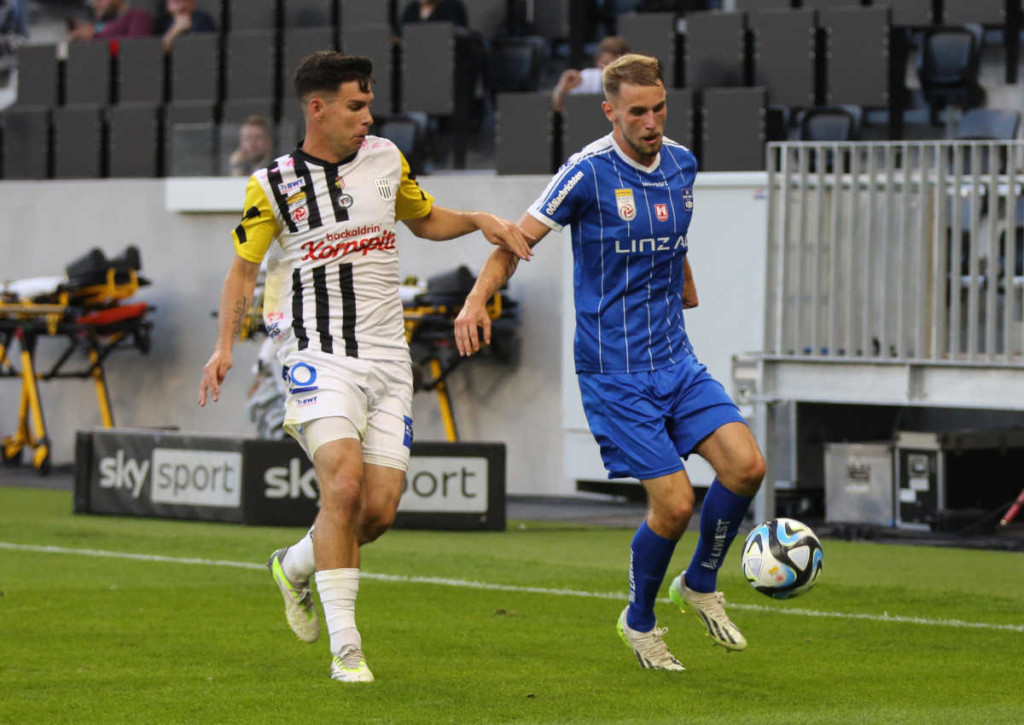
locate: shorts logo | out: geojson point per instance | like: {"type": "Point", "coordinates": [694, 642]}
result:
{"type": "Point", "coordinates": [688, 199]}
{"type": "Point", "coordinates": [626, 205]}
{"type": "Point", "coordinates": [407, 442]}
{"type": "Point", "coordinates": [661, 211]}
{"type": "Point", "coordinates": [302, 379]}
{"type": "Point", "coordinates": [384, 189]}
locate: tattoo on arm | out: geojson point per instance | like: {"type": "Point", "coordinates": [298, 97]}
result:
{"type": "Point", "coordinates": [237, 316]}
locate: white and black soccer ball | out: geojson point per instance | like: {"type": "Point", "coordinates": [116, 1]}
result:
{"type": "Point", "coordinates": [782, 558]}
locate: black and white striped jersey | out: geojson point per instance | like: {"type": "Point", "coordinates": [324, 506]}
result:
{"type": "Point", "coordinates": [332, 278]}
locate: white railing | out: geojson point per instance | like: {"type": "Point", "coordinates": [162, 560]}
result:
{"type": "Point", "coordinates": [896, 251]}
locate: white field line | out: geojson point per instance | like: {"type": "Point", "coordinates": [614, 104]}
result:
{"type": "Point", "coordinates": [441, 581]}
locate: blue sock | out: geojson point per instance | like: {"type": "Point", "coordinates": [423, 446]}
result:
{"type": "Point", "coordinates": [720, 517]}
{"type": "Point", "coordinates": [648, 562]}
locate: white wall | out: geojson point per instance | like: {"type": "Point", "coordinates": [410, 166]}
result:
{"type": "Point", "coordinates": [186, 253]}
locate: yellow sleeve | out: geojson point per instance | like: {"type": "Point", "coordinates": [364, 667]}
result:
{"type": "Point", "coordinates": [259, 225]}
{"type": "Point", "coordinates": [412, 201]}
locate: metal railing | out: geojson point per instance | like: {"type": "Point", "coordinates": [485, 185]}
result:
{"type": "Point", "coordinates": [898, 251]}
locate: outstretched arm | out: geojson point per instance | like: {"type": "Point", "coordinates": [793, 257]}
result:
{"type": "Point", "coordinates": [235, 298]}
{"type": "Point", "coordinates": [442, 223]}
{"type": "Point", "coordinates": [497, 271]}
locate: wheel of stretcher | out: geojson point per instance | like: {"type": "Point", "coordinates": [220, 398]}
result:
{"type": "Point", "coordinates": [12, 457]}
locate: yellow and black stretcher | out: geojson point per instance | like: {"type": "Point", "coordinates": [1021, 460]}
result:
{"type": "Point", "coordinates": [87, 311]}
{"type": "Point", "coordinates": [430, 332]}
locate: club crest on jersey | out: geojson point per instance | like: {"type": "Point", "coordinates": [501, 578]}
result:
{"type": "Point", "coordinates": [661, 212]}
{"type": "Point", "coordinates": [688, 199]}
{"type": "Point", "coordinates": [626, 205]}
{"type": "Point", "coordinates": [297, 206]}
{"type": "Point", "coordinates": [385, 190]}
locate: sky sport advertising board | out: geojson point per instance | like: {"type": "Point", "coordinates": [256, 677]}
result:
{"type": "Point", "coordinates": [242, 480]}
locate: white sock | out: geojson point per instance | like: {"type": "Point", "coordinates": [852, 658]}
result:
{"type": "Point", "coordinates": [338, 589]}
{"type": "Point", "coordinates": [298, 560]}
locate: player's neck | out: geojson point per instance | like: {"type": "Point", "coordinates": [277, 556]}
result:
{"type": "Point", "coordinates": [629, 152]}
{"type": "Point", "coordinates": [317, 146]}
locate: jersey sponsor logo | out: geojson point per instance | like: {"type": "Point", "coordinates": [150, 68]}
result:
{"type": "Point", "coordinates": [302, 378]}
{"type": "Point", "coordinates": [385, 190]}
{"type": "Point", "coordinates": [553, 205]}
{"type": "Point", "coordinates": [661, 212]}
{"type": "Point", "coordinates": [345, 201]}
{"type": "Point", "coordinates": [290, 186]}
{"type": "Point", "coordinates": [650, 244]}
{"type": "Point", "coordinates": [688, 199]}
{"type": "Point", "coordinates": [626, 205]}
{"type": "Point", "coordinates": [321, 249]}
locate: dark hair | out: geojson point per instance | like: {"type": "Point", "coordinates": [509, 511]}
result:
{"type": "Point", "coordinates": [325, 70]}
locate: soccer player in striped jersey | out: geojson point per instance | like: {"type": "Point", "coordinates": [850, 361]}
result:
{"type": "Point", "coordinates": [648, 400]}
{"type": "Point", "coordinates": [324, 217]}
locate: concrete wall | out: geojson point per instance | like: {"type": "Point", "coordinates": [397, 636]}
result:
{"type": "Point", "coordinates": [182, 229]}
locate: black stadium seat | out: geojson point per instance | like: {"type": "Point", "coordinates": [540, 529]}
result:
{"type": "Point", "coordinates": [365, 12]}
{"type": "Point", "coordinates": [141, 71]}
{"type": "Point", "coordinates": [191, 62]}
{"type": "Point", "coordinates": [653, 34]}
{"type": "Point", "coordinates": [87, 74]}
{"type": "Point", "coordinates": [948, 67]}
{"type": "Point", "coordinates": [26, 153]}
{"type": "Point", "coordinates": [734, 129]}
{"type": "Point", "coordinates": [251, 65]}
{"type": "Point", "coordinates": [252, 15]}
{"type": "Point", "coordinates": [308, 13]}
{"type": "Point", "coordinates": [524, 133]}
{"type": "Point", "coordinates": [715, 50]}
{"type": "Point", "coordinates": [830, 123]}
{"type": "Point", "coordinates": [785, 55]}
{"type": "Point", "coordinates": [134, 130]}
{"type": "Point", "coordinates": [78, 142]}
{"type": "Point", "coordinates": [37, 75]}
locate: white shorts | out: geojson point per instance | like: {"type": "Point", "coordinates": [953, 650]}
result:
{"type": "Point", "coordinates": [375, 396]}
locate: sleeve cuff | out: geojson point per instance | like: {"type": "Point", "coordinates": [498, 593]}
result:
{"type": "Point", "coordinates": [546, 221]}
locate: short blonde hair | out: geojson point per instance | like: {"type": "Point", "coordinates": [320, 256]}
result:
{"type": "Point", "coordinates": [639, 70]}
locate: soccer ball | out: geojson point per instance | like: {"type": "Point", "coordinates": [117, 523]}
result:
{"type": "Point", "coordinates": [782, 558]}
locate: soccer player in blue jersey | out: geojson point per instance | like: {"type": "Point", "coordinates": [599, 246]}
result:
{"type": "Point", "coordinates": [648, 400]}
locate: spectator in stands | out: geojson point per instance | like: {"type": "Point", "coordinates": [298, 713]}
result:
{"type": "Point", "coordinates": [181, 18]}
{"type": "Point", "coordinates": [13, 21]}
{"type": "Point", "coordinates": [114, 19]}
{"type": "Point", "coordinates": [588, 80]}
{"type": "Point", "coordinates": [255, 147]}
{"type": "Point", "coordinates": [429, 11]}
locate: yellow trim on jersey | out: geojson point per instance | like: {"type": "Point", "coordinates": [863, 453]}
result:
{"type": "Point", "coordinates": [259, 225]}
{"type": "Point", "coordinates": [412, 202]}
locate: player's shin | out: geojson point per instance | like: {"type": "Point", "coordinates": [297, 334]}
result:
{"type": "Point", "coordinates": [338, 589]}
{"type": "Point", "coordinates": [297, 561]}
{"type": "Point", "coordinates": [720, 518]}
{"type": "Point", "coordinates": [649, 558]}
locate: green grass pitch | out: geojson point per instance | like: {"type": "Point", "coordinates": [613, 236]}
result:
{"type": "Point", "coordinates": [889, 635]}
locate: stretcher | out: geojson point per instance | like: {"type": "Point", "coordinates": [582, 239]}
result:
{"type": "Point", "coordinates": [430, 331]}
{"type": "Point", "coordinates": [86, 310]}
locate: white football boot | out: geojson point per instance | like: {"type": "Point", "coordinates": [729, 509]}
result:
{"type": "Point", "coordinates": [299, 608]}
{"type": "Point", "coordinates": [708, 606]}
{"type": "Point", "coordinates": [649, 647]}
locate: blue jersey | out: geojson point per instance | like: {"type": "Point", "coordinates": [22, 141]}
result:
{"type": "Point", "coordinates": [629, 227]}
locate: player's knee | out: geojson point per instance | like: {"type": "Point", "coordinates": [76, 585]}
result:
{"type": "Point", "coordinates": [749, 474]}
{"type": "Point", "coordinates": [339, 496]}
{"type": "Point", "coordinates": [675, 515]}
{"type": "Point", "coordinates": [373, 524]}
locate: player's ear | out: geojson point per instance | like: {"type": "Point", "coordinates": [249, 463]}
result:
{"type": "Point", "coordinates": [609, 111]}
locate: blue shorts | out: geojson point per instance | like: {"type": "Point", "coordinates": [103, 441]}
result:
{"type": "Point", "coordinates": [645, 421]}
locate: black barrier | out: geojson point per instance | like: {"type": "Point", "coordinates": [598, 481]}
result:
{"type": "Point", "coordinates": [211, 478]}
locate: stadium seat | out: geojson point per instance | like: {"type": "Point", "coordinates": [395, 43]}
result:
{"type": "Point", "coordinates": [308, 13]}
{"type": "Point", "coordinates": [755, 5]}
{"type": "Point", "coordinates": [551, 18]}
{"type": "Point", "coordinates": [988, 124]}
{"type": "Point", "coordinates": [1004, 15]}
{"type": "Point", "coordinates": [488, 17]}
{"type": "Point", "coordinates": [373, 41]}
{"type": "Point", "coordinates": [192, 68]}
{"type": "Point", "coordinates": [78, 142]}
{"type": "Point", "coordinates": [715, 50]}
{"type": "Point", "coordinates": [190, 138]}
{"type": "Point", "coordinates": [734, 130]}
{"type": "Point", "coordinates": [37, 76]}
{"type": "Point", "coordinates": [911, 13]}
{"type": "Point", "coordinates": [87, 74]}
{"type": "Point", "coordinates": [583, 121]}
{"type": "Point", "coordinates": [524, 133]}
{"type": "Point", "coordinates": [858, 56]}
{"type": "Point", "coordinates": [252, 15]}
{"type": "Point", "coordinates": [429, 68]}
{"type": "Point", "coordinates": [785, 55]}
{"type": "Point", "coordinates": [27, 152]}
{"type": "Point", "coordinates": [948, 67]}
{"type": "Point", "coordinates": [364, 12]}
{"type": "Point", "coordinates": [238, 109]}
{"type": "Point", "coordinates": [214, 7]}
{"type": "Point", "coordinates": [134, 140]}
{"type": "Point", "coordinates": [251, 68]}
{"type": "Point", "coordinates": [828, 123]}
{"type": "Point", "coordinates": [141, 71]}
{"type": "Point", "coordinates": [514, 65]}
{"type": "Point", "coordinates": [407, 133]}
{"type": "Point", "coordinates": [654, 34]}
{"type": "Point", "coordinates": [296, 44]}
{"type": "Point", "coordinates": [679, 124]}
